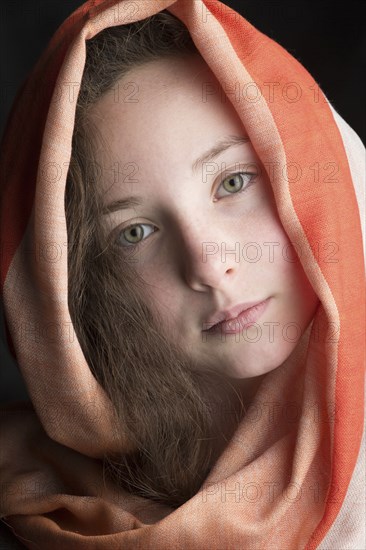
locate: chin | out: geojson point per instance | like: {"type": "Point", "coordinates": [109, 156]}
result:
{"type": "Point", "coordinates": [245, 373]}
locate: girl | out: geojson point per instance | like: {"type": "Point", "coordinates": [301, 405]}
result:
{"type": "Point", "coordinates": [142, 144]}
{"type": "Point", "coordinates": [183, 343]}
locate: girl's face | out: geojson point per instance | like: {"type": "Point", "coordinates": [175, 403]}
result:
{"type": "Point", "coordinates": [202, 241]}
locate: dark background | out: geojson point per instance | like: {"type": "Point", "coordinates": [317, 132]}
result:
{"type": "Point", "coordinates": [326, 37]}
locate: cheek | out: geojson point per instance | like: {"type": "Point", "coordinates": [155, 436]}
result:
{"type": "Point", "coordinates": [282, 268]}
{"type": "Point", "coordinates": [159, 295]}
{"type": "Point", "coordinates": [294, 285]}
{"type": "Point", "coordinates": [275, 246]}
{"type": "Point", "coordinates": [286, 262]}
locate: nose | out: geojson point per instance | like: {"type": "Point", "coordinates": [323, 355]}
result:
{"type": "Point", "coordinates": [209, 259]}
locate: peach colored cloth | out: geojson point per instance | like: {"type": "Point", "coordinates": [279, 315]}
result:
{"type": "Point", "coordinates": [293, 475]}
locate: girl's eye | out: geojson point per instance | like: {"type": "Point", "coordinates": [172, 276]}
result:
{"type": "Point", "coordinates": [133, 234]}
{"type": "Point", "coordinates": [234, 182]}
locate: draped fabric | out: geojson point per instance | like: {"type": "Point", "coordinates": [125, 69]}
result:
{"type": "Point", "coordinates": [286, 481]}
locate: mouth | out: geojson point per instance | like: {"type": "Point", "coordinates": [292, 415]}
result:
{"type": "Point", "coordinates": [244, 319]}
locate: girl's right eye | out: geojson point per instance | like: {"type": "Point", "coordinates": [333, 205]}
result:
{"type": "Point", "coordinates": [136, 235]}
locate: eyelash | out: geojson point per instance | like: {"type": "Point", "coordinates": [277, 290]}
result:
{"type": "Point", "coordinates": [242, 190]}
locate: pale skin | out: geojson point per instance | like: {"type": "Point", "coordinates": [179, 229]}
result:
{"type": "Point", "coordinates": [162, 134]}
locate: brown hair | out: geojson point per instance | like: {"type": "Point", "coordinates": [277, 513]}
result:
{"type": "Point", "coordinates": [169, 409]}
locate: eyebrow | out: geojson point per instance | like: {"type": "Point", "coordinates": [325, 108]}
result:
{"type": "Point", "coordinates": [121, 204]}
{"type": "Point", "coordinates": [222, 145]}
{"type": "Point", "coordinates": [219, 147]}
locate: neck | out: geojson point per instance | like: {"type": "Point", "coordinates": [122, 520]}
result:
{"type": "Point", "coordinates": [233, 410]}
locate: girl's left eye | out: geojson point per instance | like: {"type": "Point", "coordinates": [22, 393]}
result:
{"type": "Point", "coordinates": [234, 182]}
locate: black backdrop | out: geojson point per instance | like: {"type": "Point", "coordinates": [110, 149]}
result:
{"type": "Point", "coordinates": [328, 39]}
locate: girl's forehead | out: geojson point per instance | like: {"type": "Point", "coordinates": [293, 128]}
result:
{"type": "Point", "coordinates": [173, 116]}
{"type": "Point", "coordinates": [159, 83]}
{"type": "Point", "coordinates": [169, 132]}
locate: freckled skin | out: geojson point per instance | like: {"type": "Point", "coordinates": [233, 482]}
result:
{"type": "Point", "coordinates": [162, 134]}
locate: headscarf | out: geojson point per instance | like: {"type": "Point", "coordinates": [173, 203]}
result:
{"type": "Point", "coordinates": [281, 482]}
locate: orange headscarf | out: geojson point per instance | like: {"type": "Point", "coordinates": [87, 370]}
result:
{"type": "Point", "coordinates": [282, 481]}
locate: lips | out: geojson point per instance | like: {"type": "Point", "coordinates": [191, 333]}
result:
{"type": "Point", "coordinates": [231, 320]}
